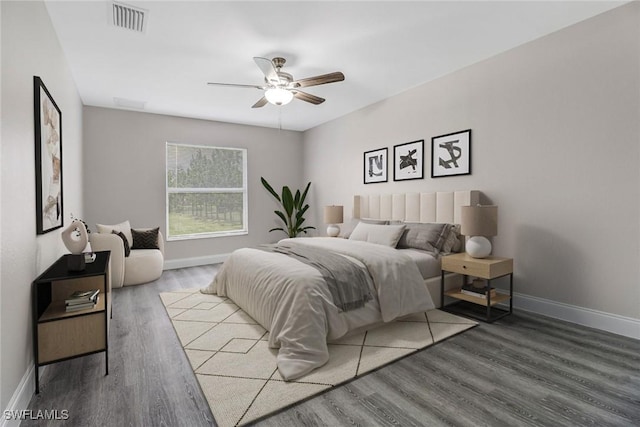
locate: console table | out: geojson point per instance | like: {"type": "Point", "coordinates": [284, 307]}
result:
{"type": "Point", "coordinates": [60, 335]}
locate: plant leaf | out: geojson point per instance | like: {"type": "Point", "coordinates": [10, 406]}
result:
{"type": "Point", "coordinates": [302, 211]}
{"type": "Point", "coordinates": [269, 188]}
{"type": "Point", "coordinates": [281, 215]}
{"type": "Point", "coordinates": [304, 195]}
{"type": "Point", "coordinates": [296, 200]}
{"type": "Point", "coordinates": [287, 200]}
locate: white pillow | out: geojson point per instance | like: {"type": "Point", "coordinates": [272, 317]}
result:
{"type": "Point", "coordinates": [347, 228]}
{"type": "Point", "coordinates": [123, 227]}
{"type": "Point", "coordinates": [387, 235]}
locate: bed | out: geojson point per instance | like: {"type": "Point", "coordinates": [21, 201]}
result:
{"type": "Point", "coordinates": [439, 207]}
{"type": "Point", "coordinates": [282, 289]}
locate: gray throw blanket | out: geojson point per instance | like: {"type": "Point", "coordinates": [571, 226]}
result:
{"type": "Point", "coordinates": [348, 282]}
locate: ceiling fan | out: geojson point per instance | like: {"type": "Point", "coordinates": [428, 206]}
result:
{"type": "Point", "coordinates": [280, 87]}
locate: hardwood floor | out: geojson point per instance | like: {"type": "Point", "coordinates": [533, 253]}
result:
{"type": "Point", "coordinates": [524, 370]}
{"type": "Point", "coordinates": [150, 381]}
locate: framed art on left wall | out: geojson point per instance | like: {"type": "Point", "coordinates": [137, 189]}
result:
{"type": "Point", "coordinates": [48, 149]}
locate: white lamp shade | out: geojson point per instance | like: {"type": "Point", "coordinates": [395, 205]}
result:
{"type": "Point", "coordinates": [278, 96]}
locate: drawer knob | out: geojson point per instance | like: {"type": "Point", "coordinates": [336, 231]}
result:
{"type": "Point", "coordinates": [464, 266]}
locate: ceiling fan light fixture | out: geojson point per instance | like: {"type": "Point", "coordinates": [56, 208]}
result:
{"type": "Point", "coordinates": [278, 96]}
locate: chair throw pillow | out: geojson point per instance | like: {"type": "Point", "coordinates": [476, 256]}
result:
{"type": "Point", "coordinates": [124, 227]}
{"type": "Point", "coordinates": [145, 239]}
{"type": "Point", "coordinates": [127, 249]}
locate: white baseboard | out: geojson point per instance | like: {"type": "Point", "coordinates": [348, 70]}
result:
{"type": "Point", "coordinates": [21, 397]}
{"type": "Point", "coordinates": [621, 325]}
{"type": "Point", "coordinates": [173, 264]}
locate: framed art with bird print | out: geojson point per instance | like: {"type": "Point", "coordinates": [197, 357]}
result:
{"type": "Point", "coordinates": [408, 161]}
{"type": "Point", "coordinates": [375, 166]}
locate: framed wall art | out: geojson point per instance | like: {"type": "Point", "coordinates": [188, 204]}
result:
{"type": "Point", "coordinates": [408, 161]}
{"type": "Point", "coordinates": [48, 149]}
{"type": "Point", "coordinates": [375, 166]}
{"type": "Point", "coordinates": [451, 154]}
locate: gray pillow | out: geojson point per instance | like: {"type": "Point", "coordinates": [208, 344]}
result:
{"type": "Point", "coordinates": [453, 242]}
{"type": "Point", "coordinates": [427, 237]}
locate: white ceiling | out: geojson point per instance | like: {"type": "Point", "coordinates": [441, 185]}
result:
{"type": "Point", "coordinates": [383, 48]}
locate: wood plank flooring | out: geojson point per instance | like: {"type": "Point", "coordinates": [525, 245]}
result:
{"type": "Point", "coordinates": [524, 370]}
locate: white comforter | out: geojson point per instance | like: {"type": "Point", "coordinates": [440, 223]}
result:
{"type": "Point", "coordinates": [290, 299]}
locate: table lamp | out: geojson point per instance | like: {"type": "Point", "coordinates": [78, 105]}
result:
{"type": "Point", "coordinates": [333, 217]}
{"type": "Point", "coordinates": [479, 222]}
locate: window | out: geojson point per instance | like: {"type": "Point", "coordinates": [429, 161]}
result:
{"type": "Point", "coordinates": [206, 191]}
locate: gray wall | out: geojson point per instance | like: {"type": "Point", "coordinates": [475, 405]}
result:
{"type": "Point", "coordinates": [555, 144]}
{"type": "Point", "coordinates": [125, 179]}
{"type": "Point", "coordinates": [29, 47]}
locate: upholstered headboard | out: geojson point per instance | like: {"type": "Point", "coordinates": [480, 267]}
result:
{"type": "Point", "coordinates": [415, 207]}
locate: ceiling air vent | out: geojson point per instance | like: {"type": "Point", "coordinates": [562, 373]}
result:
{"type": "Point", "coordinates": [129, 17]}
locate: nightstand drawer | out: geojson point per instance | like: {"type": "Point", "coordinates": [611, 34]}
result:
{"type": "Point", "coordinates": [485, 268]}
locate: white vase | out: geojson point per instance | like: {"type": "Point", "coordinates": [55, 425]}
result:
{"type": "Point", "coordinates": [75, 237]}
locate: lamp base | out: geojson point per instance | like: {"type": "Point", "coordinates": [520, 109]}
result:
{"type": "Point", "coordinates": [333, 231]}
{"type": "Point", "coordinates": [478, 247]}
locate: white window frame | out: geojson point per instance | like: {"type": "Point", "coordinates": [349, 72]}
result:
{"type": "Point", "coordinates": [243, 190]}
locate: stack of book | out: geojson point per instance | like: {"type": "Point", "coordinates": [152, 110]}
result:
{"type": "Point", "coordinates": [81, 300]}
{"type": "Point", "coordinates": [477, 289]}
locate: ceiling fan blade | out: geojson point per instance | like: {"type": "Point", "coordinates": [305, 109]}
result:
{"type": "Point", "coordinates": [261, 103]}
{"type": "Point", "coordinates": [267, 68]}
{"type": "Point", "coordinates": [303, 96]}
{"type": "Point", "coordinates": [319, 80]}
{"type": "Point", "coordinates": [235, 85]}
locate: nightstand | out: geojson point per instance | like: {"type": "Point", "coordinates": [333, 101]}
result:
{"type": "Point", "coordinates": [488, 268]}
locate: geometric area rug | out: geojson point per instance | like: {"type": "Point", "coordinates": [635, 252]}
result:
{"type": "Point", "coordinates": [237, 371]}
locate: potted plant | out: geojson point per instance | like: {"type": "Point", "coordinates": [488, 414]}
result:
{"type": "Point", "coordinates": [294, 209]}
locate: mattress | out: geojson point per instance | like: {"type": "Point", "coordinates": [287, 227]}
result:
{"type": "Point", "coordinates": [427, 262]}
